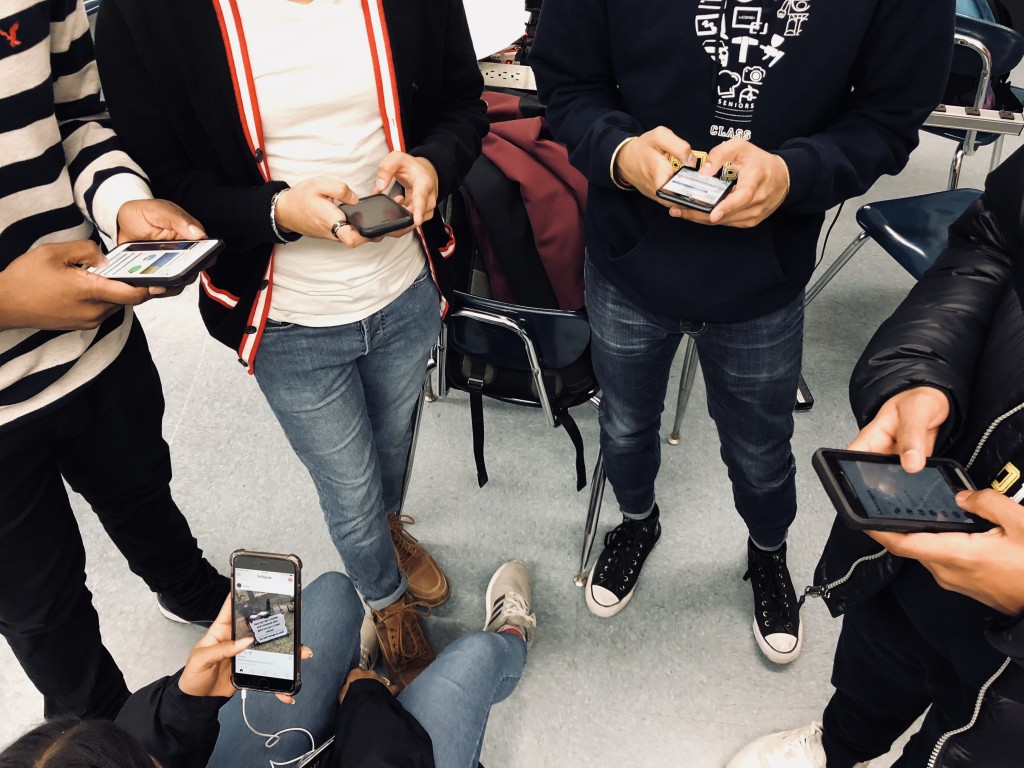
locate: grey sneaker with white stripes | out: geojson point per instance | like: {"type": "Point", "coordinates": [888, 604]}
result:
{"type": "Point", "coordinates": [508, 601]}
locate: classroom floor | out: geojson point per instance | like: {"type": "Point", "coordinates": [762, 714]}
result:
{"type": "Point", "coordinates": [674, 680]}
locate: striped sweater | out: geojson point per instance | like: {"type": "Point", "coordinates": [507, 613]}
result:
{"type": "Point", "coordinates": [61, 169]}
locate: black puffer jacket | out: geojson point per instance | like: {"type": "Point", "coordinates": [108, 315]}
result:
{"type": "Point", "coordinates": [961, 330]}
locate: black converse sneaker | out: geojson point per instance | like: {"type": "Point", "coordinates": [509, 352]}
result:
{"type": "Point", "coordinates": [613, 578]}
{"type": "Point", "coordinates": [777, 626]}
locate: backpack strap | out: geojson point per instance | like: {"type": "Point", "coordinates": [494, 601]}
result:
{"type": "Point", "coordinates": [569, 425]}
{"type": "Point", "coordinates": [475, 384]}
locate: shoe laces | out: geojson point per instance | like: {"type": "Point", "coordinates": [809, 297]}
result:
{"type": "Point", "coordinates": [623, 546]}
{"type": "Point", "coordinates": [772, 586]}
{"type": "Point", "coordinates": [405, 632]}
{"type": "Point", "coordinates": [804, 744]}
{"type": "Point", "coordinates": [406, 545]}
{"type": "Point", "coordinates": [515, 609]}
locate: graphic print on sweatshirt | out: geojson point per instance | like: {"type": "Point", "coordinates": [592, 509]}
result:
{"type": "Point", "coordinates": [746, 38]}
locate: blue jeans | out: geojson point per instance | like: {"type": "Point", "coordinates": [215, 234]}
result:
{"type": "Point", "coordinates": [345, 397]}
{"type": "Point", "coordinates": [451, 699]}
{"type": "Point", "coordinates": [751, 371]}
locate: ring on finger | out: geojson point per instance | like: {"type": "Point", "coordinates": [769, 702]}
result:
{"type": "Point", "coordinates": [338, 225]}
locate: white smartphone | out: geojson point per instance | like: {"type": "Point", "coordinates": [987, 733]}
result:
{"type": "Point", "coordinates": [168, 263]}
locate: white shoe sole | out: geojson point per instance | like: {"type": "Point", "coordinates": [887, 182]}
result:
{"type": "Point", "coordinates": [604, 611]}
{"type": "Point", "coordinates": [777, 656]}
{"type": "Point", "coordinates": [171, 616]}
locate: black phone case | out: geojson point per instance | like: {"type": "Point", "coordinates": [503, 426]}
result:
{"type": "Point", "coordinates": [849, 517]}
{"type": "Point", "coordinates": [354, 216]}
{"type": "Point", "coordinates": [297, 562]}
{"type": "Point", "coordinates": [173, 282]}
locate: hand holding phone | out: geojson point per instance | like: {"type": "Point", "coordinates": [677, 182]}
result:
{"type": "Point", "coordinates": [163, 263]}
{"type": "Point", "coordinates": [266, 606]}
{"type": "Point", "coordinates": [871, 491]}
{"type": "Point", "coordinates": [376, 216]}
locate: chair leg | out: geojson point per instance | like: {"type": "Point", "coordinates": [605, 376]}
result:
{"type": "Point", "coordinates": [833, 270]}
{"type": "Point", "coordinates": [997, 153]}
{"type": "Point", "coordinates": [955, 167]}
{"type": "Point", "coordinates": [686, 376]}
{"type": "Point", "coordinates": [593, 515]}
{"type": "Point", "coordinates": [417, 417]}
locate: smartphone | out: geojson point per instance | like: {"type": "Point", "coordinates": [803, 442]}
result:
{"type": "Point", "coordinates": [872, 491]}
{"type": "Point", "coordinates": [376, 215]}
{"type": "Point", "coordinates": [168, 263]}
{"type": "Point", "coordinates": [266, 601]}
{"type": "Point", "coordinates": [689, 188]}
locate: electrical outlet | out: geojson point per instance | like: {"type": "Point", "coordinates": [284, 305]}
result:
{"type": "Point", "coordinates": [507, 76]}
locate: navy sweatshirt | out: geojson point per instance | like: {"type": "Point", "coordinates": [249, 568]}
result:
{"type": "Point", "coordinates": [837, 88]}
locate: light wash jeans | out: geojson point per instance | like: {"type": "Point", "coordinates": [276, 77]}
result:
{"type": "Point", "coordinates": [751, 372]}
{"type": "Point", "coordinates": [451, 699]}
{"type": "Point", "coordinates": [345, 397]}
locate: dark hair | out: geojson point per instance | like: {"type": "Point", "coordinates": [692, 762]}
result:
{"type": "Point", "coordinates": [73, 743]}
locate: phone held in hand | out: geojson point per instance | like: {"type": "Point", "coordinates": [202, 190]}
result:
{"type": "Point", "coordinates": [688, 188]}
{"type": "Point", "coordinates": [376, 215]}
{"type": "Point", "coordinates": [166, 263]}
{"type": "Point", "coordinates": [871, 491]}
{"type": "Point", "coordinates": [266, 603]}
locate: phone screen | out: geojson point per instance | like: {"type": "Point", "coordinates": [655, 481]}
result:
{"type": "Point", "coordinates": [687, 183]}
{"type": "Point", "coordinates": [377, 213]}
{"type": "Point", "coordinates": [264, 609]}
{"type": "Point", "coordinates": [168, 258]}
{"type": "Point", "coordinates": [887, 491]}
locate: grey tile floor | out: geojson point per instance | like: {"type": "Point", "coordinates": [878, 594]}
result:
{"type": "Point", "coordinates": [674, 680]}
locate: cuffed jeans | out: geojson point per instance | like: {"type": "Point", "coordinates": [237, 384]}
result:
{"type": "Point", "coordinates": [106, 442]}
{"type": "Point", "coordinates": [346, 396]}
{"type": "Point", "coordinates": [452, 699]}
{"type": "Point", "coordinates": [751, 371]}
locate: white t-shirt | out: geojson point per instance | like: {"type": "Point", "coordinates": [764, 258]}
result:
{"type": "Point", "coordinates": [318, 103]}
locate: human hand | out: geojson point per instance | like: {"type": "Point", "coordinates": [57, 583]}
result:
{"type": "Point", "coordinates": [987, 566]}
{"type": "Point", "coordinates": [363, 674]}
{"type": "Point", "coordinates": [309, 208]}
{"type": "Point", "coordinates": [207, 670]}
{"type": "Point", "coordinates": [906, 424]}
{"type": "Point", "coordinates": [48, 289]}
{"type": "Point", "coordinates": [419, 178]}
{"type": "Point", "coordinates": [645, 162]}
{"type": "Point", "coordinates": [155, 220]}
{"type": "Point", "coordinates": [762, 183]}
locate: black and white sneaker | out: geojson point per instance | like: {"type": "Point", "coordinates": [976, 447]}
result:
{"type": "Point", "coordinates": [777, 627]}
{"type": "Point", "coordinates": [613, 578]}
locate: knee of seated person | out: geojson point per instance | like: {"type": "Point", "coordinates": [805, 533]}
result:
{"type": "Point", "coordinates": [332, 591]}
{"type": "Point", "coordinates": [480, 648]}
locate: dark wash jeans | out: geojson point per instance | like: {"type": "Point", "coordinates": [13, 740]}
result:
{"type": "Point", "coordinates": [106, 442]}
{"type": "Point", "coordinates": [751, 371]}
{"type": "Point", "coordinates": [911, 646]}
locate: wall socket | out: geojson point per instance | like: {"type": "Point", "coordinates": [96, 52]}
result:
{"type": "Point", "coordinates": [507, 76]}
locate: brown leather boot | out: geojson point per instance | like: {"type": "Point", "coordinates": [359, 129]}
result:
{"type": "Point", "coordinates": [427, 582]}
{"type": "Point", "coordinates": [403, 645]}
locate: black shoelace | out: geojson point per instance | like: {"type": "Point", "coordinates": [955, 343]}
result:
{"type": "Point", "coordinates": [776, 604]}
{"type": "Point", "coordinates": [623, 546]}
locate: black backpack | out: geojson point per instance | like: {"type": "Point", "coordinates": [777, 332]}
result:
{"type": "Point", "coordinates": [499, 269]}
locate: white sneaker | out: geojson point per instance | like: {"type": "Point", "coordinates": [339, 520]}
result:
{"type": "Point", "coordinates": [798, 748]}
{"type": "Point", "coordinates": [508, 601]}
{"type": "Point", "coordinates": [369, 645]}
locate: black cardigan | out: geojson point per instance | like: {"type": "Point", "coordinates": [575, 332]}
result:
{"type": "Point", "coordinates": [168, 85]}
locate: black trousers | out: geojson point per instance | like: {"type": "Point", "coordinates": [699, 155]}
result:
{"type": "Point", "coordinates": [106, 442]}
{"type": "Point", "coordinates": [910, 647]}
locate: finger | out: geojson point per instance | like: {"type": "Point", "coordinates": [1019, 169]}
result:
{"type": "Point", "coordinates": [82, 253]}
{"type": "Point", "coordinates": [184, 226]}
{"type": "Point", "coordinates": [306, 653]}
{"type": "Point", "coordinates": [387, 170]}
{"type": "Point", "coordinates": [914, 441]}
{"type": "Point", "coordinates": [333, 189]}
{"type": "Point", "coordinates": [739, 200]}
{"type": "Point", "coordinates": [207, 656]}
{"type": "Point", "coordinates": [284, 698]}
{"type": "Point", "coordinates": [106, 291]}
{"type": "Point", "coordinates": [992, 506]}
{"type": "Point", "coordinates": [729, 151]}
{"type": "Point", "coordinates": [668, 143]}
{"type": "Point", "coordinates": [689, 214]}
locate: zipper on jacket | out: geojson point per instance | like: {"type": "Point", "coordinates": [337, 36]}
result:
{"type": "Point", "coordinates": [826, 589]}
{"type": "Point", "coordinates": [937, 749]}
{"type": "Point", "coordinates": [989, 431]}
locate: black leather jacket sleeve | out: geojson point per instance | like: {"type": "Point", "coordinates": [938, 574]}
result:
{"type": "Point", "coordinates": [936, 336]}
